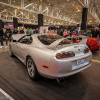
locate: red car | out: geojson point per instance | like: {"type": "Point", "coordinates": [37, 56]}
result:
{"type": "Point", "coordinates": [93, 43]}
{"type": "Point", "coordinates": [49, 32]}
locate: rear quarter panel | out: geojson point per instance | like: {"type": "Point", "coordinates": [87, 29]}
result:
{"type": "Point", "coordinates": [40, 56]}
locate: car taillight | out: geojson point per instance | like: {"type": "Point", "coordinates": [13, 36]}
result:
{"type": "Point", "coordinates": [86, 50]}
{"type": "Point", "coordinates": [65, 55]}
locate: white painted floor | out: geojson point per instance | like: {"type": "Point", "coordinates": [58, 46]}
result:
{"type": "Point", "coordinates": [4, 95]}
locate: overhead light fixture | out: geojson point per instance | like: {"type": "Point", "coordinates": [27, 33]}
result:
{"type": "Point", "coordinates": [13, 1]}
{"type": "Point", "coordinates": [49, 3]}
{"type": "Point", "coordinates": [67, 0]}
{"type": "Point", "coordinates": [41, 0]}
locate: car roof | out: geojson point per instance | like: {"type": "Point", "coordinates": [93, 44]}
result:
{"type": "Point", "coordinates": [18, 36]}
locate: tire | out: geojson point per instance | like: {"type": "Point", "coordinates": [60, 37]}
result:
{"type": "Point", "coordinates": [10, 52]}
{"type": "Point", "coordinates": [31, 69]}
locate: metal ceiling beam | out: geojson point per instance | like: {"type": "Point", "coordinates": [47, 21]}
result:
{"type": "Point", "coordinates": [91, 9]}
{"type": "Point", "coordinates": [48, 12]}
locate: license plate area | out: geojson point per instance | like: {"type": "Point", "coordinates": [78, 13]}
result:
{"type": "Point", "coordinates": [80, 62]}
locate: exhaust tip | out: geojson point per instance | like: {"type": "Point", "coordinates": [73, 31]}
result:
{"type": "Point", "coordinates": [61, 80]}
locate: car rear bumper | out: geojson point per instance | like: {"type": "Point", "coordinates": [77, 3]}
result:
{"type": "Point", "coordinates": [64, 68]}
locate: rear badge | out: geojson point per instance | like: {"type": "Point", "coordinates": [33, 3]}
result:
{"type": "Point", "coordinates": [77, 46]}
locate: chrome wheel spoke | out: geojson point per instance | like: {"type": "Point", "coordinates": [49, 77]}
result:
{"type": "Point", "coordinates": [30, 67]}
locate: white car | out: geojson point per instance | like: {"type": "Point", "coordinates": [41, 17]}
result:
{"type": "Point", "coordinates": [51, 56]}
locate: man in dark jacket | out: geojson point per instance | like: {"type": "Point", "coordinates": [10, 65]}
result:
{"type": "Point", "coordinates": [15, 31]}
{"type": "Point", "coordinates": [8, 34]}
{"type": "Point", "coordinates": [37, 31]}
{"type": "Point", "coordinates": [95, 33]}
{"type": "Point", "coordinates": [1, 37]}
{"type": "Point", "coordinates": [22, 31]}
{"type": "Point", "coordinates": [58, 31]}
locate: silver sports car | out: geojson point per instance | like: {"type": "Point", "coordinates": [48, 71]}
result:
{"type": "Point", "coordinates": [51, 56]}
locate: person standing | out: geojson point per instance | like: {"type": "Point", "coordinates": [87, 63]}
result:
{"type": "Point", "coordinates": [58, 31]}
{"type": "Point", "coordinates": [68, 31]}
{"type": "Point", "coordinates": [77, 31]}
{"type": "Point", "coordinates": [95, 33]}
{"type": "Point", "coordinates": [65, 33]}
{"type": "Point", "coordinates": [55, 31]}
{"type": "Point", "coordinates": [34, 31]}
{"type": "Point", "coordinates": [22, 31]}
{"type": "Point", "coordinates": [15, 31]}
{"type": "Point", "coordinates": [28, 31]}
{"type": "Point", "coordinates": [37, 31]}
{"type": "Point", "coordinates": [25, 30]}
{"type": "Point", "coordinates": [8, 34]}
{"type": "Point", "coordinates": [1, 37]}
{"type": "Point", "coordinates": [31, 31]}
{"type": "Point", "coordinates": [61, 33]}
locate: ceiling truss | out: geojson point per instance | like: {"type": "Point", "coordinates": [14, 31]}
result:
{"type": "Point", "coordinates": [32, 9]}
{"type": "Point", "coordinates": [29, 13]}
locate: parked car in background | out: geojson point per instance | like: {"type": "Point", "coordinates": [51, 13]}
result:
{"type": "Point", "coordinates": [49, 32]}
{"type": "Point", "coordinates": [93, 43]}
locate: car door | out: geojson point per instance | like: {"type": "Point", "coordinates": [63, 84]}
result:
{"type": "Point", "coordinates": [19, 50]}
{"type": "Point", "coordinates": [21, 44]}
{"type": "Point", "coordinates": [13, 46]}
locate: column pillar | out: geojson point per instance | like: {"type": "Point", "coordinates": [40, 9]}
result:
{"type": "Point", "coordinates": [1, 24]}
{"type": "Point", "coordinates": [77, 25]}
{"type": "Point", "coordinates": [99, 25]}
{"type": "Point", "coordinates": [15, 22]}
{"type": "Point", "coordinates": [40, 20]}
{"type": "Point", "coordinates": [84, 19]}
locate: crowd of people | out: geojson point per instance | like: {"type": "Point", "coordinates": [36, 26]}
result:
{"type": "Point", "coordinates": [65, 32]}
{"type": "Point", "coordinates": [94, 32]}
{"type": "Point", "coordinates": [7, 34]}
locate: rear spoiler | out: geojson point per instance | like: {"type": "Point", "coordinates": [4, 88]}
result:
{"type": "Point", "coordinates": [55, 44]}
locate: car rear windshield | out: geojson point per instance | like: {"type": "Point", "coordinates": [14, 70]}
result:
{"type": "Point", "coordinates": [48, 39]}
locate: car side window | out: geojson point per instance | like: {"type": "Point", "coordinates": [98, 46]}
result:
{"type": "Point", "coordinates": [26, 40]}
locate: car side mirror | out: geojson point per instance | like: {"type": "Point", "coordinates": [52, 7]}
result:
{"type": "Point", "coordinates": [14, 41]}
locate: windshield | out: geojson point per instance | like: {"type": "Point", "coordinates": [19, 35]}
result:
{"type": "Point", "coordinates": [48, 39]}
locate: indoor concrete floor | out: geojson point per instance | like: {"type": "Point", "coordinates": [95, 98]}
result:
{"type": "Point", "coordinates": [16, 82]}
